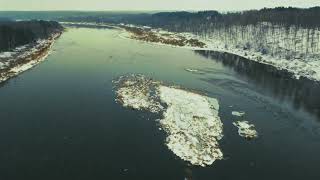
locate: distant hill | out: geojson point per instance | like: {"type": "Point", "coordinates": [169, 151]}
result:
{"type": "Point", "coordinates": [305, 17]}
{"type": "Point", "coordinates": [18, 33]}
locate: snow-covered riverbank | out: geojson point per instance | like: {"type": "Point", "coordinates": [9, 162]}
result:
{"type": "Point", "coordinates": [89, 25]}
{"type": "Point", "coordinates": [308, 68]}
{"type": "Point", "coordinates": [25, 57]}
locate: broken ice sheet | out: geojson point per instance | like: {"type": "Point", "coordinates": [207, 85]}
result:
{"type": "Point", "coordinates": [190, 120]}
{"type": "Point", "coordinates": [246, 130]}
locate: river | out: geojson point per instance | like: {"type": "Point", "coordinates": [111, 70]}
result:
{"type": "Point", "coordinates": [60, 120]}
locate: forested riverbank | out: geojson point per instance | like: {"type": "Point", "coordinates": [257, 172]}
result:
{"type": "Point", "coordinates": [24, 44]}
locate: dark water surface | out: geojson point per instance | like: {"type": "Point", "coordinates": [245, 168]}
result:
{"type": "Point", "coordinates": [60, 121]}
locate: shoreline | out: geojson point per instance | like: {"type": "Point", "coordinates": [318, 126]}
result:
{"type": "Point", "coordinates": [307, 69]}
{"type": "Point", "coordinates": [28, 59]}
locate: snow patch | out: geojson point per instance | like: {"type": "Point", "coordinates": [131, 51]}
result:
{"type": "Point", "coordinates": [2, 65]}
{"type": "Point", "coordinates": [6, 54]}
{"type": "Point", "coordinates": [135, 92]}
{"type": "Point", "coordinates": [21, 68]}
{"type": "Point", "coordinates": [20, 48]}
{"type": "Point", "coordinates": [22, 58]}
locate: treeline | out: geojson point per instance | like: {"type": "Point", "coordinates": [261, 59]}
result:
{"type": "Point", "coordinates": [307, 18]}
{"type": "Point", "coordinates": [18, 33]}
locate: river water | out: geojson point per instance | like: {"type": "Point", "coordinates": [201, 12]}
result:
{"type": "Point", "coordinates": [60, 120]}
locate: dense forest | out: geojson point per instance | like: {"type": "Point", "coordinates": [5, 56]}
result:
{"type": "Point", "coordinates": [306, 18]}
{"type": "Point", "coordinates": [17, 33]}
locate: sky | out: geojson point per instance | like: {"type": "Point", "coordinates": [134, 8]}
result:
{"type": "Point", "coordinates": [115, 5]}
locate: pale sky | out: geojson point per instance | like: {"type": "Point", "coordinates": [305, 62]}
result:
{"type": "Point", "coordinates": [104, 5]}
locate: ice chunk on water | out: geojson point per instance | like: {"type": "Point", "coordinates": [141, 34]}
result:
{"type": "Point", "coordinates": [136, 92]}
{"type": "Point", "coordinates": [238, 113]}
{"type": "Point", "coordinates": [246, 130]}
{"type": "Point", "coordinates": [193, 125]}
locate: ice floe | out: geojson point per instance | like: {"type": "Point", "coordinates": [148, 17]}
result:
{"type": "Point", "coordinates": [135, 92]}
{"type": "Point", "coordinates": [192, 124]}
{"type": "Point", "coordinates": [238, 113]}
{"type": "Point", "coordinates": [190, 120]}
{"type": "Point", "coordinates": [246, 130]}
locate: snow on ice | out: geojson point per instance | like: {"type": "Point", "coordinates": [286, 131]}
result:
{"type": "Point", "coordinates": [192, 124]}
{"type": "Point", "coordinates": [190, 120]}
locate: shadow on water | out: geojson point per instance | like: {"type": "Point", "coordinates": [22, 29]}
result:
{"type": "Point", "coordinates": [280, 84]}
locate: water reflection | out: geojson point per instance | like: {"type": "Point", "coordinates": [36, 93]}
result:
{"type": "Point", "coordinates": [302, 93]}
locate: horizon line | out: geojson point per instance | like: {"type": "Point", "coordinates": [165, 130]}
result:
{"type": "Point", "coordinates": [149, 10]}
